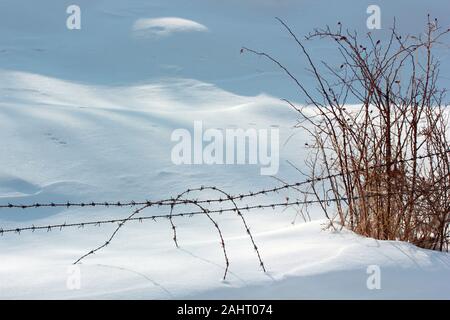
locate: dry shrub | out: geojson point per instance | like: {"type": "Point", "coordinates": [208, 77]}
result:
{"type": "Point", "coordinates": [379, 121]}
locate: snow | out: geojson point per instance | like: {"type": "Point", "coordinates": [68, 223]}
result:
{"type": "Point", "coordinates": [304, 261]}
{"type": "Point", "coordinates": [86, 115]}
{"type": "Point", "coordinates": [166, 26]}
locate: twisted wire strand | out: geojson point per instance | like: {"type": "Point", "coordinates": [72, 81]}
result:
{"type": "Point", "coordinates": [176, 201]}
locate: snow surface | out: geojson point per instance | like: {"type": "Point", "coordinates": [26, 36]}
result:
{"type": "Point", "coordinates": [87, 115]}
{"type": "Point", "coordinates": [166, 26]}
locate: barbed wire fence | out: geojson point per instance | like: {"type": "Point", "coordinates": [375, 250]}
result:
{"type": "Point", "coordinates": [185, 199]}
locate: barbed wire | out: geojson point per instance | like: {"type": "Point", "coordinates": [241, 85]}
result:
{"type": "Point", "coordinates": [189, 214]}
{"type": "Point", "coordinates": [176, 201]}
{"type": "Point", "coordinates": [182, 200]}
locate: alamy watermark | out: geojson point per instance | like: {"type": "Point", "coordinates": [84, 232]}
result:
{"type": "Point", "coordinates": [374, 20]}
{"type": "Point", "coordinates": [374, 279]}
{"type": "Point", "coordinates": [73, 281]}
{"type": "Point", "coordinates": [73, 21]}
{"type": "Point", "coordinates": [228, 146]}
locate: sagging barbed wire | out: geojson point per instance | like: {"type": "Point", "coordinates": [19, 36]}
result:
{"type": "Point", "coordinates": [183, 200]}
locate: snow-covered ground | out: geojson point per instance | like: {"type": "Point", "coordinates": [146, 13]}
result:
{"type": "Point", "coordinates": [87, 115]}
